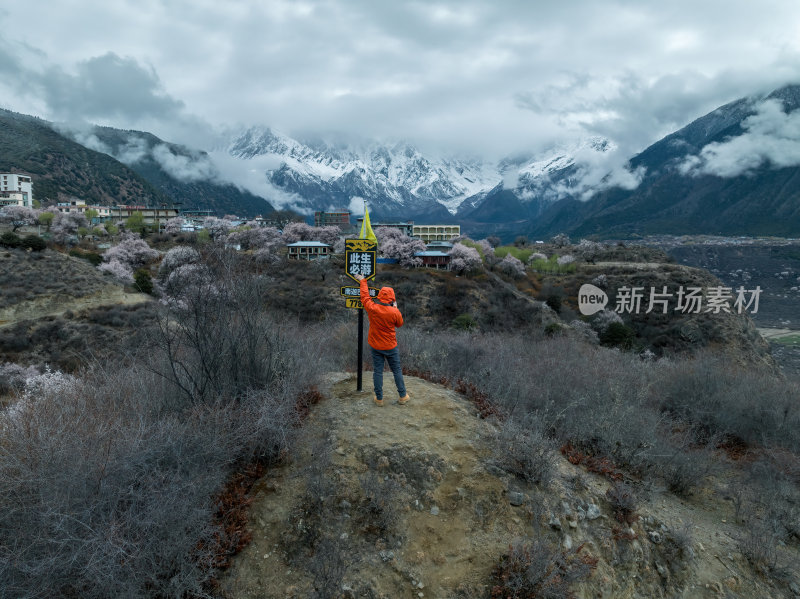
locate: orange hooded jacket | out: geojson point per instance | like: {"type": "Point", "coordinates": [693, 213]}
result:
{"type": "Point", "coordinates": [382, 319]}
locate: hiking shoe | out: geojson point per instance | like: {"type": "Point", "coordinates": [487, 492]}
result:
{"type": "Point", "coordinates": [403, 399]}
{"type": "Point", "coordinates": [378, 402]}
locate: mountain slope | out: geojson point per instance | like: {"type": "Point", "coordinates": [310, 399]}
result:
{"type": "Point", "coordinates": [187, 176]}
{"type": "Point", "coordinates": [701, 179]}
{"type": "Point", "coordinates": [62, 168]}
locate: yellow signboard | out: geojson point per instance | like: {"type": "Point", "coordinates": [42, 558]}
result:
{"type": "Point", "coordinates": [360, 256]}
{"type": "Point", "coordinates": [351, 302]}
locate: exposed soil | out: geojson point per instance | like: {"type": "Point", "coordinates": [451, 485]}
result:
{"type": "Point", "coordinates": [455, 517]}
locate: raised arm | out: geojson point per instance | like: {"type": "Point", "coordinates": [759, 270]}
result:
{"type": "Point", "coordinates": [365, 298]}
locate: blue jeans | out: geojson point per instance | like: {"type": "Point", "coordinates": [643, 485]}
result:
{"type": "Point", "coordinates": [393, 357]}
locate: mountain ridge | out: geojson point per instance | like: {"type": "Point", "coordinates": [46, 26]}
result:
{"type": "Point", "coordinates": [717, 175]}
{"type": "Point", "coordinates": [680, 195]}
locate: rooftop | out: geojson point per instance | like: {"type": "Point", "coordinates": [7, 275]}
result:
{"type": "Point", "coordinates": [307, 244]}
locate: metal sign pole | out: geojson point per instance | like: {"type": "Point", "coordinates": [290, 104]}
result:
{"type": "Point", "coordinates": [360, 348]}
{"type": "Point", "coordinates": [360, 258]}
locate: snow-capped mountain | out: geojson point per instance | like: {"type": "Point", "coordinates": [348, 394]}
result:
{"type": "Point", "coordinates": [400, 181]}
{"type": "Point", "coordinates": [397, 179]}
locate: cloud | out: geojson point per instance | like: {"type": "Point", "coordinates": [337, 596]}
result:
{"type": "Point", "coordinates": [250, 175]}
{"type": "Point", "coordinates": [132, 151]}
{"type": "Point", "coordinates": [771, 136]}
{"type": "Point", "coordinates": [88, 140]}
{"type": "Point", "coordinates": [356, 206]}
{"type": "Point", "coordinates": [450, 76]}
{"type": "Point", "coordinates": [185, 168]}
{"type": "Point", "coordinates": [107, 87]}
{"type": "Point", "coordinates": [594, 165]}
{"type": "Point", "coordinates": [599, 168]}
{"type": "Point", "coordinates": [511, 177]}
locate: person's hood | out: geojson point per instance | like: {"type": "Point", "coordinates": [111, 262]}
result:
{"type": "Point", "coordinates": [386, 295]}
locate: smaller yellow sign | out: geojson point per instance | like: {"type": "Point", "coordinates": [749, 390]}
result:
{"type": "Point", "coordinates": [351, 302]}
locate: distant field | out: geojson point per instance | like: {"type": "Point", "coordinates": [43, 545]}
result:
{"type": "Point", "coordinates": [773, 267]}
{"type": "Point", "coordinates": [789, 340]}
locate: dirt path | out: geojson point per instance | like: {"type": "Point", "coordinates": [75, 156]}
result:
{"type": "Point", "coordinates": [454, 513]}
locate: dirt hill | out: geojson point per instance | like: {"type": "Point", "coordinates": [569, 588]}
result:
{"type": "Point", "coordinates": [60, 310]}
{"type": "Point", "coordinates": [406, 502]}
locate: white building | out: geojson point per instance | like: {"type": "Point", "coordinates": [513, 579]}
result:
{"type": "Point", "coordinates": [13, 182]}
{"type": "Point", "coordinates": [13, 198]}
{"type": "Point", "coordinates": [75, 205]}
{"type": "Point", "coordinates": [436, 232]}
{"type": "Point", "coordinates": [309, 250]}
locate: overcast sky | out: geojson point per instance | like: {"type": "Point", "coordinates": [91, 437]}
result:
{"type": "Point", "coordinates": [484, 78]}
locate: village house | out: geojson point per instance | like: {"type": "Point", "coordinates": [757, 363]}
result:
{"type": "Point", "coordinates": [434, 259]}
{"type": "Point", "coordinates": [442, 246]}
{"type": "Point", "coordinates": [309, 250]}
{"type": "Point", "coordinates": [103, 212]}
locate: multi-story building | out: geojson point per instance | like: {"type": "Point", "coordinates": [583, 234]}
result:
{"type": "Point", "coordinates": [339, 219]}
{"type": "Point", "coordinates": [199, 214]}
{"type": "Point", "coordinates": [103, 212]}
{"type": "Point", "coordinates": [13, 198]}
{"type": "Point", "coordinates": [406, 227]}
{"type": "Point", "coordinates": [152, 215]}
{"type": "Point", "coordinates": [436, 232]}
{"type": "Point", "coordinates": [23, 184]}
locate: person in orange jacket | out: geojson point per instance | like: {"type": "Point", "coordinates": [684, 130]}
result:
{"type": "Point", "coordinates": [384, 317]}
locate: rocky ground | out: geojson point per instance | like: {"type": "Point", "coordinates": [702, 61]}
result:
{"type": "Point", "coordinates": [406, 502]}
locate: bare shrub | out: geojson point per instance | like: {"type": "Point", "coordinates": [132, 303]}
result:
{"type": "Point", "coordinates": [724, 399]}
{"type": "Point", "coordinates": [623, 502]}
{"type": "Point", "coordinates": [585, 330]}
{"type": "Point", "coordinates": [102, 493]}
{"type": "Point", "coordinates": [108, 482]}
{"type": "Point", "coordinates": [535, 568]}
{"type": "Point", "coordinates": [320, 488]}
{"type": "Point", "coordinates": [328, 566]}
{"type": "Point", "coordinates": [758, 543]}
{"type": "Point", "coordinates": [13, 376]}
{"type": "Point", "coordinates": [598, 401]}
{"type": "Point", "coordinates": [523, 449]}
{"type": "Point", "coordinates": [215, 340]}
{"type": "Point", "coordinates": [379, 509]}
{"type": "Point", "coordinates": [676, 547]}
{"type": "Point", "coordinates": [772, 489]}
{"type": "Point", "coordinates": [604, 319]}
